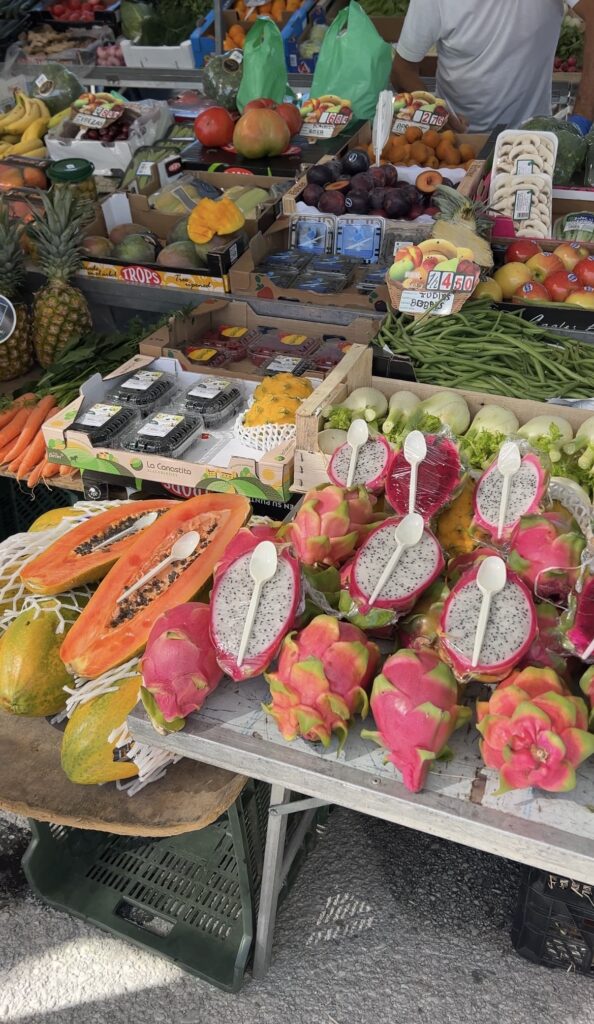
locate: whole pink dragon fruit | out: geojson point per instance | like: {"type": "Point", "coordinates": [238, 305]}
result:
{"type": "Point", "coordinates": [418, 629]}
{"type": "Point", "coordinates": [528, 487]}
{"type": "Point", "coordinates": [179, 667]}
{"type": "Point", "coordinates": [587, 688]}
{"type": "Point", "coordinates": [373, 461]}
{"type": "Point", "coordinates": [533, 732]}
{"type": "Point", "coordinates": [330, 524]}
{"type": "Point", "coordinates": [511, 628]}
{"type": "Point", "coordinates": [415, 706]}
{"type": "Point", "coordinates": [278, 607]}
{"type": "Point", "coordinates": [546, 555]}
{"type": "Point", "coordinates": [322, 679]}
{"type": "Point", "coordinates": [577, 623]}
{"type": "Point", "coordinates": [546, 650]}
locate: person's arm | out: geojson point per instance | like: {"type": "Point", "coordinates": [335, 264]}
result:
{"type": "Point", "coordinates": [584, 104]}
{"type": "Point", "coordinates": [419, 33]}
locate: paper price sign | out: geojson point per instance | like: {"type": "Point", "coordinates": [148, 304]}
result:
{"type": "Point", "coordinates": [449, 281]}
{"type": "Point", "coordinates": [423, 302]}
{"type": "Point", "coordinates": [98, 119]}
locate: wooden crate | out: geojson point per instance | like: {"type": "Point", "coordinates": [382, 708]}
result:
{"type": "Point", "coordinates": [355, 371]}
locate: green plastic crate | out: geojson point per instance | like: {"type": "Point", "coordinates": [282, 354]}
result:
{"type": "Point", "coordinates": [20, 507]}
{"type": "Point", "coordinates": [190, 898]}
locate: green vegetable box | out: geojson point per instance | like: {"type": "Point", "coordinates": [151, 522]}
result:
{"type": "Point", "coordinates": [355, 371]}
{"type": "Point", "coordinates": [148, 421]}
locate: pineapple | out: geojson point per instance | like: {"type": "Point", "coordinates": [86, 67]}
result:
{"type": "Point", "coordinates": [463, 223]}
{"type": "Point", "coordinates": [16, 354]}
{"type": "Point", "coordinates": [60, 312]}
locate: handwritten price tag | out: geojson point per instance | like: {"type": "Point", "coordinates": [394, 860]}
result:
{"type": "Point", "coordinates": [421, 302]}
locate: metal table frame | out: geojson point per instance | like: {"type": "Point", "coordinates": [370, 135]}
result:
{"type": "Point", "coordinates": [458, 802]}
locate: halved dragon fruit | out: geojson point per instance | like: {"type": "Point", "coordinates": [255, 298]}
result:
{"type": "Point", "coordinates": [577, 623]}
{"type": "Point", "coordinates": [373, 462]}
{"type": "Point", "coordinates": [511, 628]}
{"type": "Point", "coordinates": [440, 476]}
{"type": "Point", "coordinates": [231, 593]}
{"type": "Point", "coordinates": [528, 487]}
{"type": "Point", "coordinates": [418, 567]}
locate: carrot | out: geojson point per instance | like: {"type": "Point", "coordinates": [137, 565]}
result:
{"type": "Point", "coordinates": [66, 471]}
{"type": "Point", "coordinates": [32, 425]}
{"type": "Point", "coordinates": [7, 415]}
{"type": "Point", "coordinates": [35, 475]}
{"type": "Point", "coordinates": [14, 465]}
{"type": "Point", "coordinates": [49, 469]}
{"type": "Point", "coordinates": [12, 430]}
{"type": "Point", "coordinates": [35, 453]}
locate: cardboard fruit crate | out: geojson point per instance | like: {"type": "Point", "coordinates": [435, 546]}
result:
{"type": "Point", "coordinates": [354, 371]}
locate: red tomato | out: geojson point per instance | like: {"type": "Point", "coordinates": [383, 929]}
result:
{"type": "Point", "coordinates": [214, 127]}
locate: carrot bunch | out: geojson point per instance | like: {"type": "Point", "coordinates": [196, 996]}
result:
{"type": "Point", "coordinates": [22, 444]}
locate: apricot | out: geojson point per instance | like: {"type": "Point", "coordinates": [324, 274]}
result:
{"type": "Point", "coordinates": [413, 134]}
{"type": "Point", "coordinates": [448, 136]}
{"type": "Point", "coordinates": [466, 152]}
{"type": "Point", "coordinates": [432, 138]}
{"type": "Point", "coordinates": [448, 154]}
{"type": "Point", "coordinates": [428, 181]}
{"type": "Point", "coordinates": [432, 163]}
{"type": "Point", "coordinates": [419, 152]}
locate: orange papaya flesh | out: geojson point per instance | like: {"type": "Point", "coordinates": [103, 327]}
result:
{"type": "Point", "coordinates": [74, 559]}
{"type": "Point", "coordinates": [109, 633]}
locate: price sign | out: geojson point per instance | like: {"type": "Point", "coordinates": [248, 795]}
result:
{"type": "Point", "coordinates": [100, 117]}
{"type": "Point", "coordinates": [422, 302]}
{"type": "Point", "coordinates": [7, 319]}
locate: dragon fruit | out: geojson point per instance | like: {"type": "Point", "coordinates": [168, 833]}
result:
{"type": "Point", "coordinates": [546, 555]}
{"type": "Point", "coordinates": [329, 524]}
{"type": "Point", "coordinates": [528, 487]}
{"type": "Point", "coordinates": [418, 629]}
{"type": "Point", "coordinates": [323, 676]}
{"type": "Point", "coordinates": [511, 628]}
{"type": "Point", "coordinates": [577, 623]}
{"type": "Point", "coordinates": [459, 565]}
{"type": "Point", "coordinates": [440, 477]}
{"type": "Point", "coordinates": [231, 594]}
{"type": "Point", "coordinates": [415, 706]}
{"type": "Point", "coordinates": [179, 667]}
{"type": "Point", "coordinates": [417, 569]}
{"type": "Point", "coordinates": [546, 650]}
{"type": "Point", "coordinates": [587, 688]}
{"type": "Point", "coordinates": [373, 461]}
{"type": "Point", "coordinates": [533, 732]}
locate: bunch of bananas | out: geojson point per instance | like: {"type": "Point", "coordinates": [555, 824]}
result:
{"type": "Point", "coordinates": [23, 126]}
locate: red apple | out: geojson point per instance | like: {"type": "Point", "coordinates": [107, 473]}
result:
{"type": "Point", "coordinates": [531, 292]}
{"type": "Point", "coordinates": [543, 264]}
{"type": "Point", "coordinates": [584, 298]}
{"type": "Point", "coordinates": [561, 284]}
{"type": "Point", "coordinates": [430, 262]}
{"type": "Point", "coordinates": [521, 251]}
{"type": "Point", "coordinates": [585, 272]}
{"type": "Point", "coordinates": [571, 253]}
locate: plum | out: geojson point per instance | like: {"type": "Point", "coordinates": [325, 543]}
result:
{"type": "Point", "coordinates": [376, 198]}
{"type": "Point", "coordinates": [396, 204]}
{"type": "Point", "coordinates": [312, 194]}
{"type": "Point", "coordinates": [390, 175]}
{"type": "Point", "coordinates": [362, 182]}
{"type": "Point", "coordinates": [335, 168]}
{"type": "Point", "coordinates": [319, 174]}
{"type": "Point", "coordinates": [356, 202]}
{"type": "Point", "coordinates": [331, 202]}
{"type": "Point", "coordinates": [355, 161]}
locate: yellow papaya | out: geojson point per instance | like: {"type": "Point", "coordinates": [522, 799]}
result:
{"type": "Point", "coordinates": [452, 527]}
{"type": "Point", "coordinates": [54, 517]}
{"type": "Point", "coordinates": [87, 754]}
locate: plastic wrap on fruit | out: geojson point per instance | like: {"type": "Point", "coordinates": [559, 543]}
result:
{"type": "Point", "coordinates": [577, 623]}
{"type": "Point", "coordinates": [221, 79]}
{"type": "Point", "coordinates": [510, 627]}
{"type": "Point", "coordinates": [523, 493]}
{"type": "Point", "coordinates": [56, 85]}
{"type": "Point", "coordinates": [327, 591]}
{"type": "Point", "coordinates": [546, 552]}
{"type": "Point", "coordinates": [439, 477]}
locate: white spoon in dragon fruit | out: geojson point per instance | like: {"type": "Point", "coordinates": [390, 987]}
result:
{"type": "Point", "coordinates": [408, 533]}
{"type": "Point", "coordinates": [490, 579]}
{"type": "Point", "coordinates": [357, 436]}
{"type": "Point", "coordinates": [509, 461]}
{"type": "Point", "coordinates": [263, 564]}
{"type": "Point", "coordinates": [415, 450]}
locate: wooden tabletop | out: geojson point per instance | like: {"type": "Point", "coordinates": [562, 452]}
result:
{"type": "Point", "coordinates": [32, 783]}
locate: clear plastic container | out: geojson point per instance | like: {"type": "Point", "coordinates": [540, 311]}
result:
{"type": "Point", "coordinates": [167, 432]}
{"type": "Point", "coordinates": [215, 399]}
{"type": "Point", "coordinates": [143, 389]}
{"type": "Point", "coordinates": [203, 353]}
{"type": "Point", "coordinates": [102, 422]}
{"type": "Point", "coordinates": [266, 342]}
{"type": "Point", "coordinates": [328, 355]}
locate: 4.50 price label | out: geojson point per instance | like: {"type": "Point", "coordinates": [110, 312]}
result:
{"type": "Point", "coordinates": [423, 302]}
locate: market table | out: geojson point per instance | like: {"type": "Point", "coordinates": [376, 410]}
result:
{"type": "Point", "coordinates": [552, 832]}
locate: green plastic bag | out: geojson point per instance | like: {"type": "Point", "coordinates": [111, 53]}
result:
{"type": "Point", "coordinates": [264, 68]}
{"type": "Point", "coordinates": [354, 62]}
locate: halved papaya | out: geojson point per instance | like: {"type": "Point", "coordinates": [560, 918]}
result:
{"type": "Point", "coordinates": [74, 559]}
{"type": "Point", "coordinates": [109, 632]}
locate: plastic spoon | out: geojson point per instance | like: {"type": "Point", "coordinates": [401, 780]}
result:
{"type": "Point", "coordinates": [141, 524]}
{"type": "Point", "coordinates": [408, 533]}
{"type": "Point", "coordinates": [357, 436]}
{"type": "Point", "coordinates": [509, 461]}
{"type": "Point", "coordinates": [263, 564]}
{"type": "Point", "coordinates": [588, 652]}
{"type": "Point", "coordinates": [415, 450]}
{"type": "Point", "coordinates": [183, 548]}
{"type": "Point", "coordinates": [490, 579]}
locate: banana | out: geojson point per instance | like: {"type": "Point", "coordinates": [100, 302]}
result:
{"type": "Point", "coordinates": [22, 148]}
{"type": "Point", "coordinates": [35, 130]}
{"type": "Point", "coordinates": [438, 247]}
{"type": "Point", "coordinates": [43, 110]}
{"type": "Point", "coordinates": [10, 139]}
{"type": "Point", "coordinates": [12, 115]}
{"type": "Point", "coordinates": [42, 151]}
{"type": "Point", "coordinates": [31, 113]}
{"type": "Point", "coordinates": [60, 116]}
